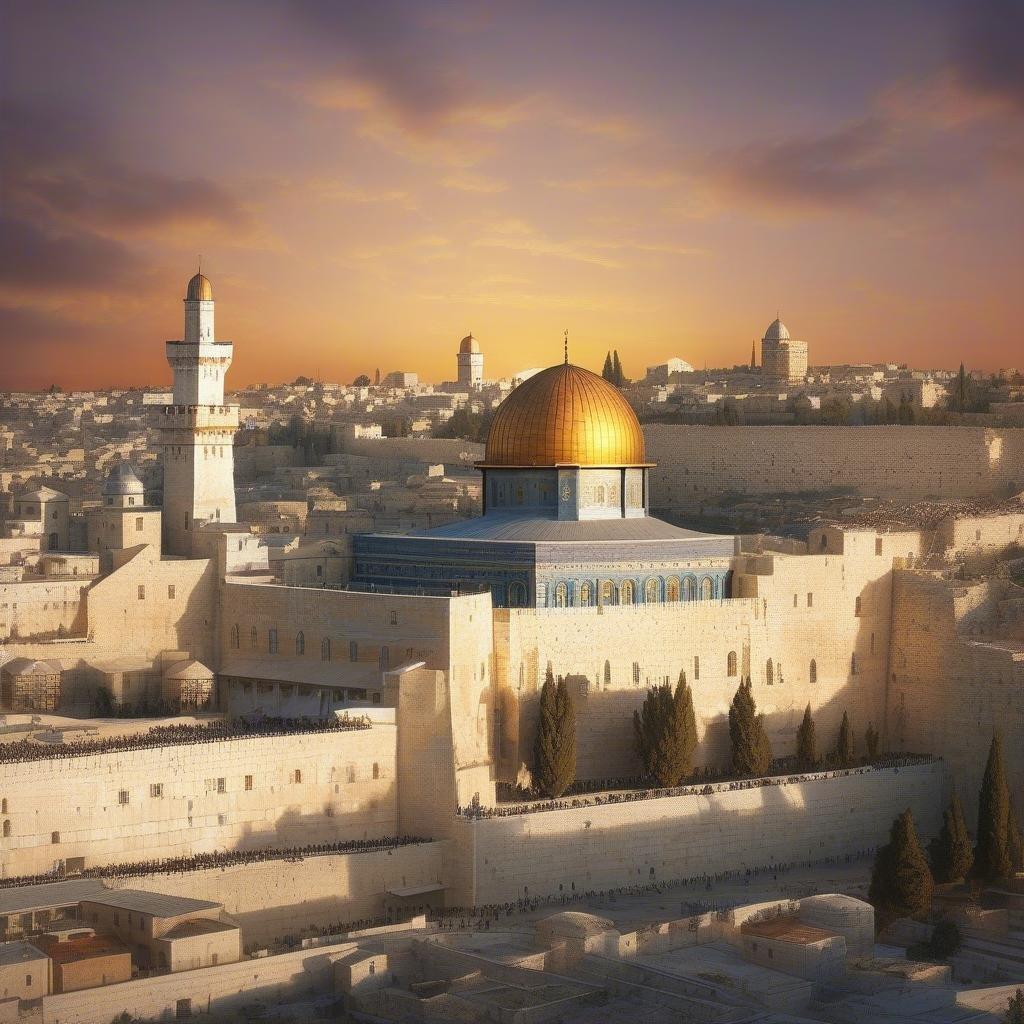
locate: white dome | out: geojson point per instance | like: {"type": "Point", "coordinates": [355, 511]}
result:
{"type": "Point", "coordinates": [777, 331]}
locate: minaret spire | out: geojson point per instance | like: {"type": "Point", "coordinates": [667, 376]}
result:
{"type": "Point", "coordinates": [566, 348]}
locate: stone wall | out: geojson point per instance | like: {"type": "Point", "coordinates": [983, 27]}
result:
{"type": "Point", "coordinates": [603, 847]}
{"type": "Point", "coordinates": [806, 629]}
{"type": "Point", "coordinates": [273, 899]}
{"type": "Point", "coordinates": [181, 799]}
{"type": "Point", "coordinates": [953, 684]}
{"type": "Point", "coordinates": [699, 464]}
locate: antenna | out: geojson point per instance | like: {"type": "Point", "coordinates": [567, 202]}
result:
{"type": "Point", "coordinates": [199, 257]}
{"type": "Point", "coordinates": [566, 335]}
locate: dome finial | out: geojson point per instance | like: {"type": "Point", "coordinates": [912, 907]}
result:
{"type": "Point", "coordinates": [566, 335]}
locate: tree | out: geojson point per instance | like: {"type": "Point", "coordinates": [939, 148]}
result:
{"type": "Point", "coordinates": [950, 851]}
{"type": "Point", "coordinates": [362, 381]}
{"type": "Point", "coordinates": [806, 742]}
{"type": "Point", "coordinates": [1015, 1009]}
{"type": "Point", "coordinates": [554, 752]}
{"type": "Point", "coordinates": [608, 372]}
{"type": "Point", "coordinates": [901, 883]}
{"type": "Point", "coordinates": [844, 742]}
{"type": "Point", "coordinates": [751, 749]}
{"type": "Point", "coordinates": [565, 716]}
{"type": "Point", "coordinates": [871, 740]}
{"type": "Point", "coordinates": [666, 732]}
{"type": "Point", "coordinates": [618, 378]}
{"type": "Point", "coordinates": [991, 855]}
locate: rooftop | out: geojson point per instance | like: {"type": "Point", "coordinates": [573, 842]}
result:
{"type": "Point", "coordinates": [19, 953]}
{"type": "Point", "coordinates": [85, 949]}
{"type": "Point", "coordinates": [28, 898]}
{"type": "Point", "coordinates": [155, 904]}
{"type": "Point", "coordinates": [787, 929]}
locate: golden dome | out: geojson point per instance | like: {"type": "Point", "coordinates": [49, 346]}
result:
{"type": "Point", "coordinates": [199, 289]}
{"type": "Point", "coordinates": [565, 415]}
{"type": "Point", "coordinates": [468, 344]}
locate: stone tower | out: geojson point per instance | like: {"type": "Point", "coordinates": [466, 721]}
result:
{"type": "Point", "coordinates": [198, 430]}
{"type": "Point", "coordinates": [471, 363]}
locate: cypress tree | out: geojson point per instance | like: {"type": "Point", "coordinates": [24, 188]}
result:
{"type": "Point", "coordinates": [901, 883]}
{"type": "Point", "coordinates": [608, 372]}
{"type": "Point", "coordinates": [617, 378]}
{"type": "Point", "coordinates": [806, 742]}
{"type": "Point", "coordinates": [751, 749]}
{"type": "Point", "coordinates": [844, 742]}
{"type": "Point", "coordinates": [1015, 1008]}
{"type": "Point", "coordinates": [871, 740]}
{"type": "Point", "coordinates": [950, 851]}
{"type": "Point", "coordinates": [565, 718]}
{"type": "Point", "coordinates": [991, 857]}
{"type": "Point", "coordinates": [1014, 843]}
{"type": "Point", "coordinates": [545, 744]}
{"type": "Point", "coordinates": [666, 732]}
{"type": "Point", "coordinates": [685, 726]}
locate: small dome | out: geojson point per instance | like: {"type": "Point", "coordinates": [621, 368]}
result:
{"type": "Point", "coordinates": [777, 331]}
{"type": "Point", "coordinates": [199, 289]}
{"type": "Point", "coordinates": [565, 415]}
{"type": "Point", "coordinates": [122, 480]}
{"type": "Point", "coordinates": [468, 344]}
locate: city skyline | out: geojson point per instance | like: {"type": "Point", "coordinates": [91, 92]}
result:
{"type": "Point", "coordinates": [367, 189]}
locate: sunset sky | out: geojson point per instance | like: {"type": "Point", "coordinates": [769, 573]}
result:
{"type": "Point", "coordinates": [369, 182]}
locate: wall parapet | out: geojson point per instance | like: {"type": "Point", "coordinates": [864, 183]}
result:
{"type": "Point", "coordinates": [476, 813]}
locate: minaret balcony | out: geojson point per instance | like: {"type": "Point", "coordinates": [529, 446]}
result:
{"type": "Point", "coordinates": [199, 417]}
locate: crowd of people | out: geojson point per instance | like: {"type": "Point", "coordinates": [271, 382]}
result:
{"type": "Point", "coordinates": [173, 735]}
{"type": "Point", "coordinates": [617, 795]}
{"type": "Point", "coordinates": [216, 859]}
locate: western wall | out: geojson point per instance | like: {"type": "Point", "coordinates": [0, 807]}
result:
{"type": "Point", "coordinates": [699, 464]}
{"type": "Point", "coordinates": [633, 843]}
{"type": "Point", "coordinates": [179, 799]}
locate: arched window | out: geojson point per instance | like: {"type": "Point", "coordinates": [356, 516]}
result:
{"type": "Point", "coordinates": [607, 673]}
{"type": "Point", "coordinates": [627, 592]}
{"type": "Point", "coordinates": [672, 589]}
{"type": "Point", "coordinates": [394, 618]}
{"type": "Point", "coordinates": [300, 642]}
{"type": "Point", "coordinates": [730, 664]}
{"type": "Point", "coordinates": [517, 595]}
{"type": "Point", "coordinates": [353, 651]}
{"type": "Point", "coordinates": [707, 589]}
{"type": "Point", "coordinates": [651, 591]}
{"type": "Point", "coordinates": [561, 595]}
{"type": "Point", "coordinates": [236, 638]}
{"type": "Point", "coordinates": [253, 637]}
{"type": "Point", "coordinates": [7, 829]}
{"type": "Point", "coordinates": [769, 673]}
{"type": "Point", "coordinates": [856, 605]}
{"type": "Point", "coordinates": [687, 589]}
{"type": "Point", "coordinates": [607, 592]}
{"type": "Point", "coordinates": [3, 806]}
{"type": "Point", "coordinates": [325, 649]}
{"type": "Point", "coordinates": [384, 659]}
{"type": "Point", "coordinates": [853, 664]}
{"type": "Point", "coordinates": [272, 641]}
{"type": "Point", "coordinates": [586, 594]}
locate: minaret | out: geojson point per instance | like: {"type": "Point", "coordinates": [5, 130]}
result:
{"type": "Point", "coordinates": [198, 430]}
{"type": "Point", "coordinates": [471, 363]}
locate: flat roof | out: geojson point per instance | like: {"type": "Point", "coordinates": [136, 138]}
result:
{"type": "Point", "coordinates": [19, 952]}
{"type": "Point", "coordinates": [24, 899]}
{"type": "Point", "coordinates": [787, 929]}
{"type": "Point", "coordinates": [156, 904]}
{"type": "Point", "coordinates": [199, 926]}
{"type": "Point", "coordinates": [85, 949]}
